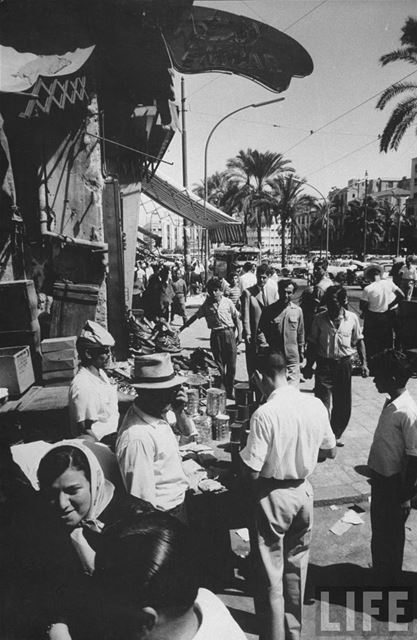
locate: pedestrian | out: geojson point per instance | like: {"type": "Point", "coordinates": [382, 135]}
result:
{"type": "Point", "coordinates": [335, 336]}
{"type": "Point", "coordinates": [281, 327]}
{"type": "Point", "coordinates": [248, 277]}
{"type": "Point", "coordinates": [379, 299]}
{"type": "Point", "coordinates": [397, 265]}
{"type": "Point", "coordinates": [148, 582]}
{"type": "Point", "coordinates": [234, 291]}
{"type": "Point", "coordinates": [223, 319]}
{"type": "Point", "coordinates": [253, 300]}
{"type": "Point", "coordinates": [288, 434]}
{"type": "Point", "coordinates": [146, 448]}
{"type": "Point", "coordinates": [312, 296]}
{"type": "Point", "coordinates": [93, 400]}
{"type": "Point", "coordinates": [180, 298]}
{"type": "Point", "coordinates": [408, 274]}
{"type": "Point", "coordinates": [393, 463]}
{"type": "Point", "coordinates": [166, 292]}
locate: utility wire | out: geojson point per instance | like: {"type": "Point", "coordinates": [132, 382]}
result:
{"type": "Point", "coordinates": [311, 173]}
{"type": "Point", "coordinates": [345, 113]}
{"type": "Point", "coordinates": [303, 16]}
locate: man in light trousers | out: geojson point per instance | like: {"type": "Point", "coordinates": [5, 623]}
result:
{"type": "Point", "coordinates": [288, 435]}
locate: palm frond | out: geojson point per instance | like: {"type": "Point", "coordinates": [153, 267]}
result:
{"type": "Point", "coordinates": [409, 55]}
{"type": "Point", "coordinates": [393, 91]}
{"type": "Point", "coordinates": [400, 120]}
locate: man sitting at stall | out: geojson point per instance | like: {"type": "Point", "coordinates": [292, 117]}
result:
{"type": "Point", "coordinates": [222, 318]}
{"type": "Point", "coordinates": [93, 400]}
{"type": "Point", "coordinates": [146, 448]}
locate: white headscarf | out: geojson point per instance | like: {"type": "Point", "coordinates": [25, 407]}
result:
{"type": "Point", "coordinates": [102, 491]}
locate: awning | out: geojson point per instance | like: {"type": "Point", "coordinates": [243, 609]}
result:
{"type": "Point", "coordinates": [184, 203]}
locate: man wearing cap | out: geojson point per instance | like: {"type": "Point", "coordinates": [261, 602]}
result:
{"type": "Point", "coordinates": [379, 299]}
{"type": "Point", "coordinates": [93, 401]}
{"type": "Point", "coordinates": [147, 448]}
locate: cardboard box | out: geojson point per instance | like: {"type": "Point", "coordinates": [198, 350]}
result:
{"type": "Point", "coordinates": [16, 370]}
{"type": "Point", "coordinates": [59, 356]}
{"type": "Point", "coordinates": [61, 374]}
{"type": "Point", "coordinates": [58, 344]}
{"type": "Point", "coordinates": [59, 365]}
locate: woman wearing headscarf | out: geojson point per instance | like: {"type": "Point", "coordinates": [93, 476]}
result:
{"type": "Point", "coordinates": [80, 503]}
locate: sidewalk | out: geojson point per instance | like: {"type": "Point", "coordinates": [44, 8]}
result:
{"type": "Point", "coordinates": [345, 478]}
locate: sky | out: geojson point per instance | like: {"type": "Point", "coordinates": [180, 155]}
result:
{"type": "Point", "coordinates": [345, 39]}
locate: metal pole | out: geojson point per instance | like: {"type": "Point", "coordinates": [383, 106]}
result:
{"type": "Point", "coordinates": [184, 163]}
{"type": "Point", "coordinates": [232, 113]}
{"type": "Point", "coordinates": [365, 211]}
{"type": "Point", "coordinates": [398, 228]}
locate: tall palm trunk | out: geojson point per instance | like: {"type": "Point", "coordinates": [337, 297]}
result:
{"type": "Point", "coordinates": [283, 247]}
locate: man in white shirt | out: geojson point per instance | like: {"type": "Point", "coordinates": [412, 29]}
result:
{"type": "Point", "coordinates": [146, 448]}
{"type": "Point", "coordinates": [335, 336]}
{"type": "Point", "coordinates": [248, 277]}
{"type": "Point", "coordinates": [379, 298]}
{"type": "Point", "coordinates": [408, 273]}
{"type": "Point", "coordinates": [393, 462]}
{"type": "Point", "coordinates": [288, 434]}
{"type": "Point", "coordinates": [93, 400]}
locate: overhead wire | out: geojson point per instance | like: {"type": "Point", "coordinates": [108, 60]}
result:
{"type": "Point", "coordinates": [345, 113]}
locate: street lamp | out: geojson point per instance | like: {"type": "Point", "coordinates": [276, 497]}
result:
{"type": "Point", "coordinates": [365, 214]}
{"type": "Point", "coordinates": [232, 113]}
{"type": "Point", "coordinates": [327, 210]}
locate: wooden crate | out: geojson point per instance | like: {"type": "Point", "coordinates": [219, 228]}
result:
{"type": "Point", "coordinates": [18, 306]}
{"type": "Point", "coordinates": [73, 305]}
{"type": "Point", "coordinates": [16, 370]}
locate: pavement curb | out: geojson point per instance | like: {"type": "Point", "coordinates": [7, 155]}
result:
{"type": "Point", "coordinates": [354, 497]}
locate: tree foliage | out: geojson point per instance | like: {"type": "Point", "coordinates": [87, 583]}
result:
{"type": "Point", "coordinates": [404, 114]}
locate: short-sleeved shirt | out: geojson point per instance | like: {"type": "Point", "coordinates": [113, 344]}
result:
{"type": "Point", "coordinates": [93, 398]}
{"type": "Point", "coordinates": [216, 621]}
{"type": "Point", "coordinates": [149, 459]}
{"type": "Point", "coordinates": [335, 342]}
{"type": "Point", "coordinates": [408, 273]}
{"type": "Point", "coordinates": [379, 295]}
{"type": "Point", "coordinates": [395, 436]}
{"type": "Point", "coordinates": [218, 315]}
{"type": "Point", "coordinates": [286, 434]}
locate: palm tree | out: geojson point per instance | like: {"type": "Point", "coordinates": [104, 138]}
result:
{"type": "Point", "coordinates": [251, 171]}
{"type": "Point", "coordinates": [405, 113]}
{"type": "Point", "coordinates": [318, 225]}
{"type": "Point", "coordinates": [354, 225]}
{"type": "Point", "coordinates": [288, 198]}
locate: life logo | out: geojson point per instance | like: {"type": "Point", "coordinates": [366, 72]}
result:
{"type": "Point", "coordinates": [360, 612]}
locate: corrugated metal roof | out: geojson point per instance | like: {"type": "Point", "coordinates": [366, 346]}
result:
{"type": "Point", "coordinates": [184, 203]}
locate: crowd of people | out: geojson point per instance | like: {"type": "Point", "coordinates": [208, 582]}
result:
{"type": "Point", "coordinates": [98, 541]}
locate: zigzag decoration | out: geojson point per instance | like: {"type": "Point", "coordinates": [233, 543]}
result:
{"type": "Point", "coordinates": [58, 93]}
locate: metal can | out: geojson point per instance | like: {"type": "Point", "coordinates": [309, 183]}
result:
{"type": "Point", "coordinates": [243, 393]}
{"type": "Point", "coordinates": [193, 398]}
{"type": "Point", "coordinates": [220, 427]}
{"type": "Point", "coordinates": [214, 401]}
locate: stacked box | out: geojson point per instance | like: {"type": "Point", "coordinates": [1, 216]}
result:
{"type": "Point", "coordinates": [59, 359]}
{"type": "Point", "coordinates": [16, 370]}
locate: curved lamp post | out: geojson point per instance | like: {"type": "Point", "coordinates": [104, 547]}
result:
{"type": "Point", "coordinates": [248, 106]}
{"type": "Point", "coordinates": [327, 210]}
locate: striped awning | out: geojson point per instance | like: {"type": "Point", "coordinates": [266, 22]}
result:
{"type": "Point", "coordinates": [184, 203]}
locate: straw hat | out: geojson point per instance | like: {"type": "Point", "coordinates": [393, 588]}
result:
{"type": "Point", "coordinates": [154, 371]}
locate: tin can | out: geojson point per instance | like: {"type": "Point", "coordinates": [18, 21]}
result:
{"type": "Point", "coordinates": [192, 405]}
{"type": "Point", "coordinates": [204, 427]}
{"type": "Point", "coordinates": [235, 432]}
{"type": "Point", "coordinates": [243, 393]}
{"type": "Point", "coordinates": [243, 412]}
{"type": "Point", "coordinates": [231, 411]}
{"type": "Point", "coordinates": [220, 427]}
{"type": "Point", "coordinates": [216, 400]}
